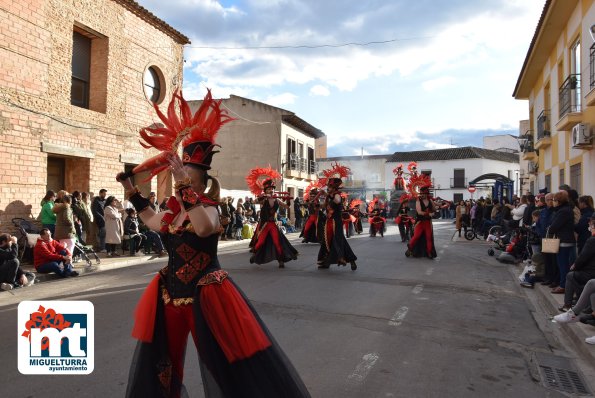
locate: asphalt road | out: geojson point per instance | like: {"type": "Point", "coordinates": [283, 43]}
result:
{"type": "Point", "coordinates": [456, 326]}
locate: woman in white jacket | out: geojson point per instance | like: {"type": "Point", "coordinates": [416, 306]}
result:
{"type": "Point", "coordinates": [518, 212]}
{"type": "Point", "coordinates": [113, 226]}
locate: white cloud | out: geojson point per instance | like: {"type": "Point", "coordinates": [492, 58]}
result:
{"type": "Point", "coordinates": [281, 100]}
{"type": "Point", "coordinates": [438, 83]}
{"type": "Point", "coordinates": [320, 90]}
{"type": "Point", "coordinates": [436, 145]}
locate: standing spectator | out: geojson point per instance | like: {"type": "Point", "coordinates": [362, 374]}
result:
{"type": "Point", "coordinates": [528, 214]}
{"type": "Point", "coordinates": [50, 256]}
{"type": "Point", "coordinates": [517, 212]}
{"type": "Point", "coordinates": [48, 218]}
{"type": "Point", "coordinates": [88, 228]}
{"type": "Point", "coordinates": [239, 222]}
{"type": "Point", "coordinates": [98, 216]}
{"type": "Point", "coordinates": [232, 210]}
{"type": "Point", "coordinates": [113, 226]}
{"type": "Point", "coordinates": [11, 273]}
{"type": "Point", "coordinates": [461, 217]}
{"type": "Point", "coordinates": [552, 273]}
{"type": "Point", "coordinates": [452, 209]}
{"type": "Point", "coordinates": [444, 212]}
{"type": "Point", "coordinates": [65, 230]}
{"type": "Point", "coordinates": [563, 227]}
{"type": "Point", "coordinates": [225, 218]}
{"type": "Point", "coordinates": [76, 212]}
{"type": "Point", "coordinates": [299, 215]}
{"type": "Point", "coordinates": [153, 202]}
{"type": "Point", "coordinates": [83, 213]}
{"type": "Point", "coordinates": [585, 204]}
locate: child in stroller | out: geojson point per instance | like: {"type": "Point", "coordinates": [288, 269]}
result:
{"type": "Point", "coordinates": [82, 252]}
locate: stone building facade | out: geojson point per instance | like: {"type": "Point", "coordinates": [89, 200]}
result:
{"type": "Point", "coordinates": [77, 81]}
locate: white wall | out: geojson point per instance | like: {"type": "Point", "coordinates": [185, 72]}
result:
{"type": "Point", "coordinates": [443, 171]}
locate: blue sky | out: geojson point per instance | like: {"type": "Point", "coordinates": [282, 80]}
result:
{"type": "Point", "coordinates": [445, 78]}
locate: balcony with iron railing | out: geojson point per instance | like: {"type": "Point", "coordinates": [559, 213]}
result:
{"type": "Point", "coordinates": [570, 109]}
{"type": "Point", "coordinates": [544, 134]}
{"type": "Point", "coordinates": [590, 97]}
{"type": "Point", "coordinates": [458, 182]}
{"type": "Point", "coordinates": [528, 147]}
{"type": "Point", "coordinates": [300, 168]}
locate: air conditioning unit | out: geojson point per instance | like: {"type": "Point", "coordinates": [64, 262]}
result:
{"type": "Point", "coordinates": [532, 167]}
{"type": "Point", "coordinates": [581, 135]}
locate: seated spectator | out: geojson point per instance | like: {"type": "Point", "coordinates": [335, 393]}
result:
{"type": "Point", "coordinates": [51, 256]}
{"type": "Point", "coordinates": [582, 271]}
{"type": "Point", "coordinates": [538, 274]}
{"type": "Point", "coordinates": [153, 240]}
{"type": "Point", "coordinates": [131, 228]}
{"type": "Point", "coordinates": [11, 273]}
{"type": "Point", "coordinates": [586, 300]}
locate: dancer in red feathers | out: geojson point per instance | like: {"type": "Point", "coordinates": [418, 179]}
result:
{"type": "Point", "coordinates": [238, 357]}
{"type": "Point", "coordinates": [354, 209]}
{"type": "Point", "coordinates": [269, 243]}
{"type": "Point", "coordinates": [312, 201]}
{"type": "Point", "coordinates": [334, 248]}
{"type": "Point", "coordinates": [422, 243]}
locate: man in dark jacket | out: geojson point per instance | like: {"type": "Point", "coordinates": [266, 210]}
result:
{"type": "Point", "coordinates": [529, 210]}
{"type": "Point", "coordinates": [582, 271]}
{"type": "Point", "coordinates": [11, 273]}
{"type": "Point", "coordinates": [98, 217]}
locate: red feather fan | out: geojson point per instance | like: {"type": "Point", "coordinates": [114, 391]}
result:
{"type": "Point", "coordinates": [417, 182]}
{"type": "Point", "coordinates": [258, 175]}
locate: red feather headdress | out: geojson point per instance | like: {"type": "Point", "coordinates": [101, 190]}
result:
{"type": "Point", "coordinates": [355, 203]}
{"type": "Point", "coordinates": [372, 205]}
{"type": "Point", "coordinates": [334, 176]}
{"type": "Point", "coordinates": [258, 176]}
{"type": "Point", "coordinates": [411, 165]}
{"type": "Point", "coordinates": [416, 183]}
{"type": "Point", "coordinates": [397, 169]}
{"type": "Point", "coordinates": [183, 128]}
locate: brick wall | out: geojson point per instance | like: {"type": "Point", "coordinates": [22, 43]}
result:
{"type": "Point", "coordinates": [35, 108]}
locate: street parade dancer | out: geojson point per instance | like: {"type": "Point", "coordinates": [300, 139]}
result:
{"type": "Point", "coordinates": [403, 220]}
{"type": "Point", "coordinates": [268, 242]}
{"type": "Point", "coordinates": [311, 199]}
{"type": "Point", "coordinates": [354, 208]}
{"type": "Point", "coordinates": [412, 167]}
{"type": "Point", "coordinates": [238, 357]}
{"type": "Point", "coordinates": [399, 180]}
{"type": "Point", "coordinates": [377, 222]}
{"type": "Point", "coordinates": [422, 243]}
{"type": "Point", "coordinates": [334, 248]}
{"type": "Point", "coordinates": [348, 220]}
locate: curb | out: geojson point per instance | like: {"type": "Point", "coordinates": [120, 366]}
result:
{"type": "Point", "coordinates": [110, 263]}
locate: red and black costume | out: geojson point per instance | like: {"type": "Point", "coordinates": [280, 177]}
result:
{"type": "Point", "coordinates": [310, 230]}
{"type": "Point", "coordinates": [348, 221]}
{"type": "Point", "coordinates": [399, 180]}
{"type": "Point", "coordinates": [405, 222]}
{"type": "Point", "coordinates": [357, 214]}
{"type": "Point", "coordinates": [268, 243]}
{"type": "Point", "coordinates": [422, 243]}
{"type": "Point", "coordinates": [334, 248]}
{"type": "Point", "coordinates": [377, 222]}
{"type": "Point", "coordinates": [192, 295]}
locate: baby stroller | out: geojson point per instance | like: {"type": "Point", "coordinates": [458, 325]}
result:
{"type": "Point", "coordinates": [28, 234]}
{"type": "Point", "coordinates": [82, 252]}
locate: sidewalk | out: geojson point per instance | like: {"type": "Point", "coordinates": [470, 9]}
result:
{"type": "Point", "coordinates": [110, 263]}
{"type": "Point", "coordinates": [576, 332]}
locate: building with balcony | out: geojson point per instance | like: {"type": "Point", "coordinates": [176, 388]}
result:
{"type": "Point", "coordinates": [558, 80]}
{"type": "Point", "coordinates": [265, 135]}
{"type": "Point", "coordinates": [78, 81]}
{"type": "Point", "coordinates": [452, 170]}
{"type": "Point", "coordinates": [367, 177]}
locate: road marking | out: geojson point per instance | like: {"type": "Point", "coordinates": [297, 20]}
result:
{"type": "Point", "coordinates": [430, 271]}
{"type": "Point", "coordinates": [150, 273]}
{"type": "Point", "coordinates": [398, 317]}
{"type": "Point", "coordinates": [417, 289]}
{"type": "Point", "coordinates": [95, 288]}
{"type": "Point", "coordinates": [363, 368]}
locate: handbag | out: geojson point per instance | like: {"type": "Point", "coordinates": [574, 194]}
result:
{"type": "Point", "coordinates": [224, 220]}
{"type": "Point", "coordinates": [550, 245]}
